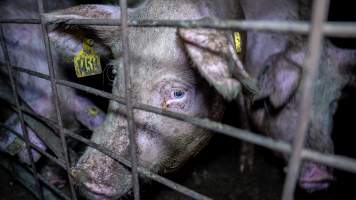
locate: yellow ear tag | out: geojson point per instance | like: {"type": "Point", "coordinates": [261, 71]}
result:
{"type": "Point", "coordinates": [237, 40]}
{"type": "Point", "coordinates": [93, 111]}
{"type": "Point", "coordinates": [87, 62]}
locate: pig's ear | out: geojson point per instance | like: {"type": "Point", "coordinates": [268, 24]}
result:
{"type": "Point", "coordinates": [215, 58]}
{"type": "Point", "coordinates": [87, 11]}
{"type": "Point", "coordinates": [279, 80]}
{"type": "Point", "coordinates": [68, 39]}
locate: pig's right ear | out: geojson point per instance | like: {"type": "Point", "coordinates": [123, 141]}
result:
{"type": "Point", "coordinates": [215, 58]}
{"type": "Point", "coordinates": [69, 38]}
{"type": "Point", "coordinates": [279, 80]}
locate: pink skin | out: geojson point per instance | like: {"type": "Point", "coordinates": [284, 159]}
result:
{"type": "Point", "coordinates": [26, 50]}
{"type": "Point", "coordinates": [87, 113]}
{"type": "Point", "coordinates": [315, 177]}
{"type": "Point", "coordinates": [276, 60]}
{"type": "Point", "coordinates": [162, 76]}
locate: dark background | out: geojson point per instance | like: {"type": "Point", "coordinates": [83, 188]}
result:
{"type": "Point", "coordinates": [215, 171]}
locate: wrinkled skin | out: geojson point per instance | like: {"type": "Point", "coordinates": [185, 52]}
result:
{"type": "Point", "coordinates": [276, 60]}
{"type": "Point", "coordinates": [162, 63]}
{"type": "Point", "coordinates": [26, 49]}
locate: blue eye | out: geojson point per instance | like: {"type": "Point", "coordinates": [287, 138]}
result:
{"type": "Point", "coordinates": [178, 94]}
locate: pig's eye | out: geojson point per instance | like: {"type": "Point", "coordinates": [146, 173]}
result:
{"type": "Point", "coordinates": [177, 94]}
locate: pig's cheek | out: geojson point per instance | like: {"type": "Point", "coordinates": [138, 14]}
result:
{"type": "Point", "coordinates": [150, 150]}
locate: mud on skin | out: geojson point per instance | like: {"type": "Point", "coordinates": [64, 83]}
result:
{"type": "Point", "coordinates": [167, 70]}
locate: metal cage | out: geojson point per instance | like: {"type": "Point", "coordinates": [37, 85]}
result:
{"type": "Point", "coordinates": [317, 29]}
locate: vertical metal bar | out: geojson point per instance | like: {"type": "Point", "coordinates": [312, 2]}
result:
{"type": "Point", "coordinates": [19, 111]}
{"type": "Point", "coordinates": [128, 95]}
{"type": "Point", "coordinates": [55, 96]}
{"type": "Point", "coordinates": [311, 65]}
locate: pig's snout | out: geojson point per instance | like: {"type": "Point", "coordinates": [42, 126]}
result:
{"type": "Point", "coordinates": [100, 177]}
{"type": "Point", "coordinates": [315, 177]}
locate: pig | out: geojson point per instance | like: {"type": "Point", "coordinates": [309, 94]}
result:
{"type": "Point", "coordinates": [276, 60]}
{"type": "Point", "coordinates": [167, 66]}
{"type": "Point", "coordinates": [26, 49]}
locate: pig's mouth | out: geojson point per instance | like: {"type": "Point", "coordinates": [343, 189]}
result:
{"type": "Point", "coordinates": [95, 192]}
{"type": "Point", "coordinates": [315, 177]}
{"type": "Point", "coordinates": [313, 186]}
{"type": "Point", "coordinates": [316, 183]}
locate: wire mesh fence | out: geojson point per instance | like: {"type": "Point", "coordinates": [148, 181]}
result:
{"type": "Point", "coordinates": [316, 29]}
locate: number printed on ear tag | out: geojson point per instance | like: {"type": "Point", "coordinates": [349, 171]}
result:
{"type": "Point", "coordinates": [87, 61]}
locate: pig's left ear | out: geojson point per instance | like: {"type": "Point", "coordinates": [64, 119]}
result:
{"type": "Point", "coordinates": [87, 11]}
{"type": "Point", "coordinates": [69, 39]}
{"type": "Point", "coordinates": [217, 61]}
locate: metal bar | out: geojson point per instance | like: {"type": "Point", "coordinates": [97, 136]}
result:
{"type": "Point", "coordinates": [335, 161]}
{"type": "Point", "coordinates": [19, 112]}
{"type": "Point", "coordinates": [50, 157]}
{"type": "Point", "coordinates": [335, 29]}
{"type": "Point", "coordinates": [84, 88]}
{"type": "Point", "coordinates": [56, 97]}
{"type": "Point", "coordinates": [27, 179]}
{"type": "Point", "coordinates": [143, 171]}
{"type": "Point", "coordinates": [128, 95]}
{"type": "Point", "coordinates": [54, 189]}
{"type": "Point", "coordinates": [311, 66]}
{"type": "Point", "coordinates": [20, 21]}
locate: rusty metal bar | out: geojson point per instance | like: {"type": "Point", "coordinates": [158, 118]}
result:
{"type": "Point", "coordinates": [311, 65]}
{"type": "Point", "coordinates": [56, 97]}
{"type": "Point", "coordinates": [19, 112]}
{"type": "Point", "coordinates": [332, 160]}
{"type": "Point", "coordinates": [128, 95]}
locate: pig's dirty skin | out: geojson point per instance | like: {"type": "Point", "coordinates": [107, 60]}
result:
{"type": "Point", "coordinates": [162, 76]}
{"type": "Point", "coordinates": [276, 60]}
{"type": "Point", "coordinates": [26, 49]}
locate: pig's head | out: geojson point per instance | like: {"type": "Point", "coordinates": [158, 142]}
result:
{"type": "Point", "coordinates": [163, 75]}
{"type": "Point", "coordinates": [276, 109]}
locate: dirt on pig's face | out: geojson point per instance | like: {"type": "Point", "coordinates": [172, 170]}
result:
{"type": "Point", "coordinates": [162, 77]}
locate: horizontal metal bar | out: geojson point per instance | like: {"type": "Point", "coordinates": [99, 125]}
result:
{"type": "Point", "coordinates": [20, 21]}
{"type": "Point", "coordinates": [73, 85]}
{"type": "Point", "coordinates": [16, 99]}
{"type": "Point", "coordinates": [310, 71]}
{"type": "Point", "coordinates": [54, 189]}
{"type": "Point", "coordinates": [141, 170]}
{"type": "Point", "coordinates": [47, 155]}
{"type": "Point", "coordinates": [25, 176]}
{"type": "Point", "coordinates": [336, 161]}
{"type": "Point", "coordinates": [335, 29]}
{"type": "Point", "coordinates": [49, 122]}
{"type": "Point", "coordinates": [340, 162]}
